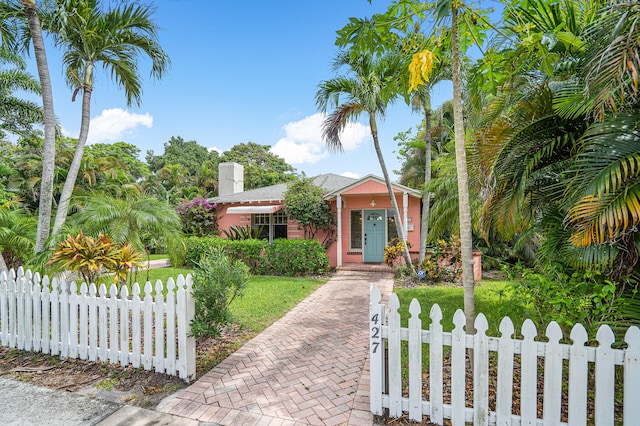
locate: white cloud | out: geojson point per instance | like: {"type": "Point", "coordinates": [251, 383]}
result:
{"type": "Point", "coordinates": [113, 124]}
{"type": "Point", "coordinates": [351, 175]}
{"type": "Point", "coordinates": [303, 140]}
{"type": "Point", "coordinates": [215, 148]}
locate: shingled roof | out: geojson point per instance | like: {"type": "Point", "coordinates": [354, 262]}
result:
{"type": "Point", "coordinates": [329, 182]}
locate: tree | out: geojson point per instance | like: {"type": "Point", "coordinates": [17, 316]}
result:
{"type": "Point", "coordinates": [304, 202]}
{"type": "Point", "coordinates": [189, 154]}
{"type": "Point", "coordinates": [12, 14]}
{"type": "Point", "coordinates": [370, 87]}
{"type": "Point", "coordinates": [16, 235]}
{"type": "Point", "coordinates": [17, 115]}
{"type": "Point", "coordinates": [116, 39]}
{"type": "Point", "coordinates": [261, 167]}
{"type": "Point", "coordinates": [134, 219]}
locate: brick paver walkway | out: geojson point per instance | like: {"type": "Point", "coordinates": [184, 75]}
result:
{"type": "Point", "coordinates": [309, 367]}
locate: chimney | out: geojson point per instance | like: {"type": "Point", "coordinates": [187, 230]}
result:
{"type": "Point", "coordinates": [230, 178]}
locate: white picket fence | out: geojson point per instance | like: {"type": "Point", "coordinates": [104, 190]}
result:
{"type": "Point", "coordinates": [142, 330]}
{"type": "Point", "coordinates": [386, 336]}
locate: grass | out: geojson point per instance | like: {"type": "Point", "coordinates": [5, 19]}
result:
{"type": "Point", "coordinates": [490, 299]}
{"type": "Point", "coordinates": [156, 257]}
{"type": "Point", "coordinates": [267, 298]}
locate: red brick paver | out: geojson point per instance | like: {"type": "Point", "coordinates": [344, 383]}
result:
{"type": "Point", "coordinates": [309, 367]}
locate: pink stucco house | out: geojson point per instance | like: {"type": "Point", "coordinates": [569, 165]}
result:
{"type": "Point", "coordinates": [365, 218]}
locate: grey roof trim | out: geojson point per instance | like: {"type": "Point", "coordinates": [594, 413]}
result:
{"type": "Point", "coordinates": [273, 193]}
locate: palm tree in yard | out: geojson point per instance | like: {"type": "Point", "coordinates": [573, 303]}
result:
{"type": "Point", "coordinates": [370, 86]}
{"type": "Point", "coordinates": [12, 15]}
{"type": "Point", "coordinates": [114, 39]}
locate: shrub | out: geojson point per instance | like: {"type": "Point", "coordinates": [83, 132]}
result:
{"type": "Point", "coordinates": [198, 217]}
{"type": "Point", "coordinates": [217, 281]}
{"type": "Point", "coordinates": [442, 262]}
{"type": "Point", "coordinates": [90, 256]}
{"type": "Point", "coordinates": [248, 251]}
{"type": "Point", "coordinates": [294, 258]}
{"type": "Point", "coordinates": [583, 297]}
{"type": "Point", "coordinates": [394, 250]}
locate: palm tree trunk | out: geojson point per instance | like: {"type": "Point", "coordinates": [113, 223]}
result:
{"type": "Point", "coordinates": [394, 203]}
{"type": "Point", "coordinates": [464, 207]}
{"type": "Point", "coordinates": [74, 168]}
{"type": "Point", "coordinates": [424, 220]}
{"type": "Point", "coordinates": [49, 148]}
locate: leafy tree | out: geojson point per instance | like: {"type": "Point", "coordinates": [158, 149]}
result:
{"type": "Point", "coordinates": [17, 229]}
{"type": "Point", "coordinates": [189, 154]}
{"type": "Point", "coordinates": [370, 85]}
{"type": "Point", "coordinates": [261, 167]}
{"type": "Point", "coordinates": [304, 202]}
{"type": "Point", "coordinates": [116, 39]}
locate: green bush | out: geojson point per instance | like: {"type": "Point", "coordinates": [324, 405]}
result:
{"type": "Point", "coordinates": [552, 295]}
{"type": "Point", "coordinates": [295, 258]}
{"type": "Point", "coordinates": [248, 251]}
{"type": "Point", "coordinates": [217, 281]}
{"type": "Point", "coordinates": [283, 257]}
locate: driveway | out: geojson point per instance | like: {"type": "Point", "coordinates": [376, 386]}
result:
{"type": "Point", "coordinates": [309, 367]}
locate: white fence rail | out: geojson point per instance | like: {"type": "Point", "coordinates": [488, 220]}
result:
{"type": "Point", "coordinates": [553, 363]}
{"type": "Point", "coordinates": [148, 330]}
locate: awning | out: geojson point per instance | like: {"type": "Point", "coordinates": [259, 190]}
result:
{"type": "Point", "coordinates": [254, 209]}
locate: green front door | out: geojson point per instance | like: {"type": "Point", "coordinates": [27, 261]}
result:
{"type": "Point", "coordinates": [374, 235]}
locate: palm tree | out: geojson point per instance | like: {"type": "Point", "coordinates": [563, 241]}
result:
{"type": "Point", "coordinates": [11, 14]}
{"type": "Point", "coordinates": [16, 115]}
{"type": "Point", "coordinates": [16, 235]}
{"type": "Point", "coordinates": [372, 85]}
{"type": "Point", "coordinates": [115, 38]}
{"type": "Point", "coordinates": [129, 219]}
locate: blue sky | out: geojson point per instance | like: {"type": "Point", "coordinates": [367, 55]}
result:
{"type": "Point", "coordinates": [241, 71]}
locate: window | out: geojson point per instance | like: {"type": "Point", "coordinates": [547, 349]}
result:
{"type": "Point", "coordinates": [356, 230]}
{"type": "Point", "coordinates": [274, 225]}
{"type": "Point", "coordinates": [392, 232]}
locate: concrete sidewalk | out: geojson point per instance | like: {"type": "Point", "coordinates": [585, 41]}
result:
{"type": "Point", "coordinates": [309, 367]}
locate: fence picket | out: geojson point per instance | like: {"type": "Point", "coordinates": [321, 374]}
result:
{"type": "Point", "coordinates": [123, 304]}
{"type": "Point", "coordinates": [481, 372]}
{"type": "Point", "coordinates": [92, 351]}
{"type": "Point", "coordinates": [83, 308]}
{"type": "Point", "coordinates": [458, 369]}
{"type": "Point", "coordinates": [376, 312]}
{"type": "Point", "coordinates": [632, 376]}
{"type": "Point", "coordinates": [20, 310]}
{"type": "Point", "coordinates": [73, 322]}
{"type": "Point", "coordinates": [553, 375]}
{"type": "Point", "coordinates": [112, 306]}
{"type": "Point", "coordinates": [395, 368]}
{"type": "Point", "coordinates": [28, 311]}
{"type": "Point", "coordinates": [103, 324]}
{"type": "Point", "coordinates": [55, 317]}
{"type": "Point", "coordinates": [435, 365]}
{"type": "Point", "coordinates": [605, 374]}
{"type": "Point", "coordinates": [4, 309]}
{"type": "Point", "coordinates": [415, 362]}
{"type": "Point", "coordinates": [136, 346]}
{"type": "Point", "coordinates": [147, 357]}
{"type": "Point", "coordinates": [45, 300]}
{"type": "Point", "coordinates": [36, 311]}
{"type": "Point", "coordinates": [64, 319]}
{"type": "Point", "coordinates": [504, 397]}
{"type": "Point", "coordinates": [159, 326]}
{"type": "Point", "coordinates": [529, 375]}
{"type": "Point", "coordinates": [578, 374]}
{"type": "Point", "coordinates": [171, 327]}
